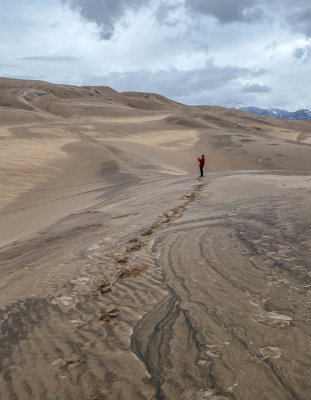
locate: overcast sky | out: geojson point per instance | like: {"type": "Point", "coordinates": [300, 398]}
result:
{"type": "Point", "coordinates": [224, 52]}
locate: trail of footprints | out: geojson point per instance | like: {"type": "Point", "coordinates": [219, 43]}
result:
{"type": "Point", "coordinates": [137, 244]}
{"type": "Point", "coordinates": [98, 296]}
{"type": "Point", "coordinates": [125, 262]}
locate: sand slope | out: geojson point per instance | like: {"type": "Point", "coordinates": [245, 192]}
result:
{"type": "Point", "coordinates": [123, 276]}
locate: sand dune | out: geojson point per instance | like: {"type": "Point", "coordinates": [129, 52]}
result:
{"type": "Point", "coordinates": [123, 275]}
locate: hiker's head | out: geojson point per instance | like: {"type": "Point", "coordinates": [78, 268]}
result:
{"type": "Point", "coordinates": [203, 155]}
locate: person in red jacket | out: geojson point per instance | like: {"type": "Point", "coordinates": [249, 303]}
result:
{"type": "Point", "coordinates": [201, 163]}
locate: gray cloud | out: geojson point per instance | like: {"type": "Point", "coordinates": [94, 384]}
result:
{"type": "Point", "coordinates": [49, 58]}
{"type": "Point", "coordinates": [303, 53]}
{"type": "Point", "coordinates": [54, 25]}
{"type": "Point", "coordinates": [174, 82]}
{"type": "Point", "coordinates": [300, 18]}
{"type": "Point", "coordinates": [227, 11]}
{"type": "Point", "coordinates": [296, 14]}
{"type": "Point", "coordinates": [105, 13]}
{"type": "Point", "coordinates": [27, 77]}
{"type": "Point", "coordinates": [165, 14]}
{"type": "Point", "coordinates": [298, 53]}
{"type": "Point", "coordinates": [256, 88]}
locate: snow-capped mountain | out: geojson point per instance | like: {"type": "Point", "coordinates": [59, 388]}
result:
{"type": "Point", "coordinates": [302, 114]}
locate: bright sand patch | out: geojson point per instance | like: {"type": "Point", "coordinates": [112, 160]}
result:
{"type": "Point", "coordinates": [307, 141]}
{"type": "Point", "coordinates": [284, 134]}
{"type": "Point", "coordinates": [5, 132]}
{"type": "Point", "coordinates": [25, 163]}
{"type": "Point", "coordinates": [289, 182]}
{"type": "Point", "coordinates": [173, 138]}
{"type": "Point", "coordinates": [133, 120]}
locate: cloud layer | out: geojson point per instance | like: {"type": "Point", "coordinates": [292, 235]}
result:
{"type": "Point", "coordinates": [49, 58]}
{"type": "Point", "coordinates": [176, 83]}
{"type": "Point", "coordinates": [247, 52]}
{"type": "Point", "coordinates": [226, 11]}
{"type": "Point", "coordinates": [106, 14]}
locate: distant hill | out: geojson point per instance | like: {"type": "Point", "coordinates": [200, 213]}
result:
{"type": "Point", "coordinates": [302, 114]}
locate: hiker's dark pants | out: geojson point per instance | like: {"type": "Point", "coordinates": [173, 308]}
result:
{"type": "Point", "coordinates": [201, 170]}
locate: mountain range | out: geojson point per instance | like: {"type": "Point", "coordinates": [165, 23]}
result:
{"type": "Point", "coordinates": [302, 114]}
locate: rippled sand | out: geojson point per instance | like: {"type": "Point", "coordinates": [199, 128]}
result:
{"type": "Point", "coordinates": [124, 275]}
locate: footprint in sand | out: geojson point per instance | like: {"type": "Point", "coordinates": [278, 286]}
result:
{"type": "Point", "coordinates": [105, 287]}
{"type": "Point", "coordinates": [147, 232]}
{"type": "Point", "coordinates": [279, 317]}
{"type": "Point", "coordinates": [68, 369]}
{"type": "Point", "coordinates": [94, 246]}
{"type": "Point", "coordinates": [270, 352]}
{"type": "Point", "coordinates": [77, 322]}
{"type": "Point", "coordinates": [81, 280]}
{"type": "Point", "coordinates": [273, 319]}
{"type": "Point", "coordinates": [59, 361]}
{"type": "Point", "coordinates": [110, 315]}
{"type": "Point", "coordinates": [128, 272]}
{"type": "Point", "coordinates": [135, 244]}
{"type": "Point", "coordinates": [213, 350]}
{"type": "Point", "coordinates": [209, 394]}
{"type": "Point", "coordinates": [122, 260]}
{"type": "Point", "coordinates": [93, 256]}
{"type": "Point", "coordinates": [66, 299]}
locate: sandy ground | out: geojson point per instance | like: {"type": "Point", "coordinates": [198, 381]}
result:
{"type": "Point", "coordinates": [124, 276]}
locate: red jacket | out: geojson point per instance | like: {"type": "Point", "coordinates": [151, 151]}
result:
{"type": "Point", "coordinates": [201, 161]}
